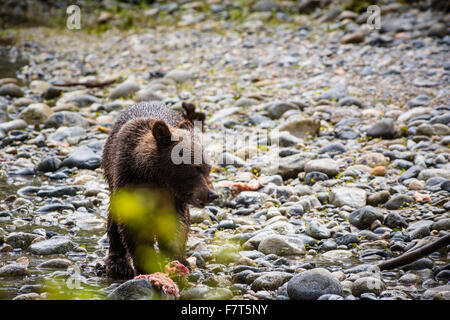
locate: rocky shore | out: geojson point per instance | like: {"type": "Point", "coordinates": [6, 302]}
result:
{"type": "Point", "coordinates": [359, 173]}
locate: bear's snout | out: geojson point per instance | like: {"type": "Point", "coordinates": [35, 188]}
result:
{"type": "Point", "coordinates": [212, 195]}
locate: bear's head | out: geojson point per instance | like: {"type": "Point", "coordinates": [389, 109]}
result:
{"type": "Point", "coordinates": [182, 163]}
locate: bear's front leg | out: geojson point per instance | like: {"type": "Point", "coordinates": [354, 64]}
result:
{"type": "Point", "coordinates": [118, 262]}
{"type": "Point", "coordinates": [142, 253]}
{"type": "Point", "coordinates": [176, 248]}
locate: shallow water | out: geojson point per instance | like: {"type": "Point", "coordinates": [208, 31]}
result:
{"type": "Point", "coordinates": [10, 62]}
{"type": "Point", "coordinates": [89, 239]}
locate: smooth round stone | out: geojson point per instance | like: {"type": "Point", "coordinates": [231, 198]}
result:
{"type": "Point", "coordinates": [294, 210]}
{"type": "Point", "coordinates": [281, 227]}
{"type": "Point", "coordinates": [275, 179]}
{"type": "Point", "coordinates": [443, 275]}
{"type": "Point", "coordinates": [66, 118]}
{"type": "Point", "coordinates": [22, 172]}
{"type": "Point", "coordinates": [135, 290]}
{"type": "Point", "coordinates": [11, 90]}
{"type": "Point", "coordinates": [378, 198]}
{"type": "Point", "coordinates": [330, 297]}
{"type": "Point", "coordinates": [247, 198]}
{"type": "Point", "coordinates": [412, 172]}
{"type": "Point", "coordinates": [379, 171]}
{"type": "Point", "coordinates": [57, 192]}
{"type": "Point", "coordinates": [275, 244]}
{"type": "Point", "coordinates": [368, 296]}
{"type": "Point", "coordinates": [329, 245]}
{"type": "Point", "coordinates": [364, 217]}
{"type": "Point", "coordinates": [271, 280]}
{"type": "Point", "coordinates": [179, 75]}
{"type": "Point", "coordinates": [124, 89]}
{"type": "Point", "coordinates": [14, 270]}
{"type": "Point", "coordinates": [430, 173]}
{"type": "Point", "coordinates": [419, 232]}
{"type": "Point", "coordinates": [52, 92]}
{"type": "Point", "coordinates": [55, 264]}
{"type": "Point", "coordinates": [20, 239]}
{"type": "Point", "coordinates": [28, 191]}
{"type": "Point", "coordinates": [437, 293]}
{"type": "Point", "coordinates": [352, 197]}
{"type": "Point", "coordinates": [394, 220]}
{"type": "Point", "coordinates": [434, 184]}
{"type": "Point", "coordinates": [277, 109]}
{"type": "Point", "coordinates": [419, 101]}
{"type": "Point", "coordinates": [367, 285]}
{"type": "Point", "coordinates": [227, 224]}
{"type": "Point", "coordinates": [36, 113]}
{"type": "Point", "coordinates": [337, 255]}
{"type": "Point", "coordinates": [52, 246]}
{"type": "Point", "coordinates": [409, 279]}
{"type": "Point", "coordinates": [317, 230]}
{"type": "Point", "coordinates": [398, 201]}
{"type": "Point", "coordinates": [48, 164]}
{"type": "Point", "coordinates": [82, 158]}
{"type": "Point", "coordinates": [382, 129]}
{"type": "Point", "coordinates": [55, 207]}
{"type": "Point", "coordinates": [68, 134]}
{"type": "Point", "coordinates": [203, 292]}
{"type": "Point", "coordinates": [333, 149]}
{"type": "Point", "coordinates": [402, 164]}
{"type": "Point", "coordinates": [442, 224]}
{"type": "Point", "coordinates": [327, 166]}
{"type": "Point", "coordinates": [372, 159]}
{"type": "Point", "coordinates": [28, 296]}
{"type": "Point", "coordinates": [301, 128]}
{"type": "Point", "coordinates": [349, 101]}
{"type": "Point", "coordinates": [420, 264]}
{"type": "Point", "coordinates": [415, 184]}
{"type": "Point", "coordinates": [311, 284]}
{"type": "Point", "coordinates": [348, 135]}
{"type": "Point", "coordinates": [347, 239]}
{"type": "Point", "coordinates": [314, 176]}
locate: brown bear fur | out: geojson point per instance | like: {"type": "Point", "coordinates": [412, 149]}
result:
{"type": "Point", "coordinates": [137, 154]}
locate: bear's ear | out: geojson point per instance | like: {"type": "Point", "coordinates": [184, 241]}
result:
{"type": "Point", "coordinates": [190, 110]}
{"type": "Point", "coordinates": [161, 132]}
{"type": "Point", "coordinates": [185, 124]}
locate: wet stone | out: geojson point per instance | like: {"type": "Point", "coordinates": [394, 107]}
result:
{"type": "Point", "coordinates": [135, 290]}
{"type": "Point", "coordinates": [396, 202]}
{"type": "Point", "coordinates": [55, 207]}
{"type": "Point", "coordinates": [20, 239]}
{"type": "Point", "coordinates": [56, 245]}
{"type": "Point", "coordinates": [82, 158]}
{"type": "Point", "coordinates": [312, 284]}
{"type": "Point", "coordinates": [14, 270]}
{"type": "Point", "coordinates": [57, 192]}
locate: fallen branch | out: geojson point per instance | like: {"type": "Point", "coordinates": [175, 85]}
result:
{"type": "Point", "coordinates": [86, 84]}
{"type": "Point", "coordinates": [412, 256]}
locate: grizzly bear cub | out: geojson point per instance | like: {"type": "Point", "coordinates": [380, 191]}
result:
{"type": "Point", "coordinates": [138, 154]}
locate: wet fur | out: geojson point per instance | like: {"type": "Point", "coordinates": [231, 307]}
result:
{"type": "Point", "coordinates": [134, 157]}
